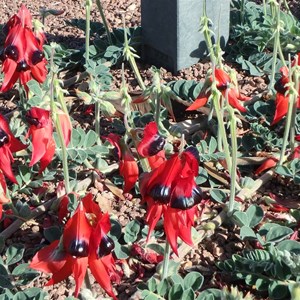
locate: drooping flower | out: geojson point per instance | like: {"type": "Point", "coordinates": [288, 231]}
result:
{"type": "Point", "coordinates": [226, 86]}
{"type": "Point", "coordinates": [23, 56]}
{"type": "Point", "coordinates": [151, 145]}
{"type": "Point", "coordinates": [41, 131]}
{"type": "Point", "coordinates": [152, 142]}
{"type": "Point", "coordinates": [128, 166]}
{"type": "Point", "coordinates": [8, 145]}
{"type": "Point", "coordinates": [84, 244]}
{"type": "Point", "coordinates": [171, 191]}
{"type": "Point", "coordinates": [282, 95]}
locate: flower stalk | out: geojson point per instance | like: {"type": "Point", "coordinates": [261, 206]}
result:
{"type": "Point", "coordinates": [99, 5]}
{"type": "Point", "coordinates": [88, 5]}
{"type": "Point", "coordinates": [166, 261]}
{"type": "Point", "coordinates": [58, 126]}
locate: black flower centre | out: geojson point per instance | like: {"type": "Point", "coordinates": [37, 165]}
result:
{"type": "Point", "coordinates": [183, 202]}
{"type": "Point", "coordinates": [79, 248]}
{"type": "Point", "coordinates": [3, 138]}
{"type": "Point", "coordinates": [11, 52]}
{"type": "Point", "coordinates": [279, 86]}
{"type": "Point", "coordinates": [156, 145]}
{"type": "Point", "coordinates": [106, 246]}
{"type": "Point", "coordinates": [160, 193]}
{"type": "Point", "coordinates": [37, 56]}
{"type": "Point", "coordinates": [22, 66]}
{"type": "Point", "coordinates": [31, 120]}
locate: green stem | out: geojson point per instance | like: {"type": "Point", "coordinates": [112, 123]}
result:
{"type": "Point", "coordinates": [131, 59]}
{"type": "Point", "coordinates": [166, 261]}
{"type": "Point", "coordinates": [222, 130]}
{"type": "Point", "coordinates": [233, 160]}
{"type": "Point", "coordinates": [58, 127]}
{"type": "Point", "coordinates": [294, 111]}
{"type": "Point", "coordinates": [99, 5]}
{"type": "Point", "coordinates": [97, 127]}
{"type": "Point", "coordinates": [88, 5]}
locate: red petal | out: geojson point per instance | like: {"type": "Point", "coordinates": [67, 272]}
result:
{"type": "Point", "coordinates": [40, 141]}
{"type": "Point", "coordinates": [130, 172]}
{"type": "Point", "coordinates": [49, 259]}
{"type": "Point", "coordinates": [267, 164]}
{"type": "Point", "coordinates": [5, 163]}
{"type": "Point", "coordinates": [62, 273]}
{"type": "Point", "coordinates": [282, 104]}
{"type": "Point", "coordinates": [66, 126]}
{"type": "Point", "coordinates": [10, 74]}
{"type": "Point", "coordinates": [79, 271]}
{"type": "Point", "coordinates": [156, 160]}
{"type": "Point", "coordinates": [153, 215]}
{"type": "Point", "coordinates": [199, 102]}
{"type": "Point", "coordinates": [233, 99]}
{"type": "Point", "coordinates": [25, 16]}
{"type": "Point", "coordinates": [171, 227]}
{"type": "Point", "coordinates": [150, 136]}
{"type": "Point", "coordinates": [100, 269]}
{"type": "Point", "coordinates": [90, 206]}
{"type": "Point", "coordinates": [222, 77]}
{"type": "Point", "coordinates": [47, 158]}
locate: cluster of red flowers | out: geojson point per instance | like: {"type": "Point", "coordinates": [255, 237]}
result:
{"type": "Point", "coordinates": [169, 189]}
{"type": "Point", "coordinates": [226, 86]}
{"type": "Point", "coordinates": [23, 56]}
{"type": "Point", "coordinates": [84, 244]}
{"type": "Point", "coordinates": [282, 95]}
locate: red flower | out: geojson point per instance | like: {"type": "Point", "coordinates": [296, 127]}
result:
{"type": "Point", "coordinates": [84, 244]}
{"type": "Point", "coordinates": [41, 130]}
{"type": "Point", "coordinates": [266, 165]}
{"type": "Point", "coordinates": [23, 56]}
{"type": "Point", "coordinates": [282, 96]}
{"type": "Point", "coordinates": [224, 83]}
{"type": "Point", "coordinates": [171, 191]}
{"type": "Point", "coordinates": [8, 145]}
{"type": "Point", "coordinates": [152, 142]}
{"type": "Point", "coordinates": [128, 166]}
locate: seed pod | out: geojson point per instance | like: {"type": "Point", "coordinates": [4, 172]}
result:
{"type": "Point", "coordinates": [31, 120]}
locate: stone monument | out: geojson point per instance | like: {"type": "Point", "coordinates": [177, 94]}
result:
{"type": "Point", "coordinates": [170, 30]}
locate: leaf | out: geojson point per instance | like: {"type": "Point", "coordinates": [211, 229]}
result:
{"type": "Point", "coordinates": [255, 214]}
{"type": "Point", "coordinates": [278, 233]}
{"type": "Point", "coordinates": [132, 230]}
{"type": "Point", "coordinates": [211, 294]}
{"type": "Point", "coordinates": [14, 253]}
{"type": "Point", "coordinates": [176, 292]}
{"type": "Point", "coordinates": [247, 233]}
{"type": "Point", "coordinates": [52, 233]}
{"type": "Point", "coordinates": [193, 280]}
{"type": "Point", "coordinates": [188, 294]}
{"type": "Point", "coordinates": [163, 287]}
{"type": "Point", "coordinates": [152, 284]}
{"type": "Point", "coordinates": [218, 195]}
{"type": "Point", "coordinates": [290, 246]}
{"type": "Point", "coordinates": [241, 218]}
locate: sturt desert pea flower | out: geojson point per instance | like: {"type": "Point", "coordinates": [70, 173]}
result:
{"type": "Point", "coordinates": [41, 131]}
{"type": "Point", "coordinates": [128, 166]}
{"type": "Point", "coordinates": [8, 145]}
{"type": "Point", "coordinates": [151, 146]}
{"type": "Point", "coordinates": [226, 86]}
{"type": "Point", "coordinates": [23, 56]}
{"type": "Point", "coordinates": [171, 191]}
{"type": "Point", "coordinates": [282, 95]}
{"type": "Point", "coordinates": [84, 243]}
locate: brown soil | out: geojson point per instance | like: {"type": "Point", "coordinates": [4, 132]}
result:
{"type": "Point", "coordinates": [202, 258]}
